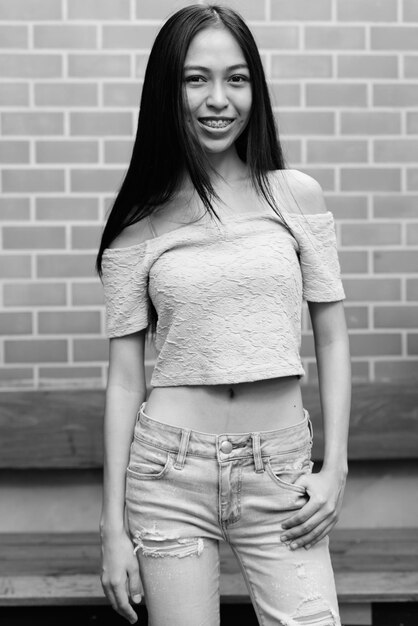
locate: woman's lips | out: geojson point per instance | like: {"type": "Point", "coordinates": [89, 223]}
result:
{"type": "Point", "coordinates": [214, 126]}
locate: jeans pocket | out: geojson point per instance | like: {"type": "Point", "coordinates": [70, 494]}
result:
{"type": "Point", "coordinates": [147, 462]}
{"type": "Point", "coordinates": [285, 474]}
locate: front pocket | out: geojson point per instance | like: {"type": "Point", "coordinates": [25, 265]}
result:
{"type": "Point", "coordinates": [287, 474]}
{"type": "Point", "coordinates": [147, 462]}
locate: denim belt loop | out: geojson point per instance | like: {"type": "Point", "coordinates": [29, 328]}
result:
{"type": "Point", "coordinates": [181, 455]}
{"type": "Point", "coordinates": [258, 461]}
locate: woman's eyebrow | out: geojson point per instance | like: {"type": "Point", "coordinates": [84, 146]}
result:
{"type": "Point", "coordinates": [206, 69]}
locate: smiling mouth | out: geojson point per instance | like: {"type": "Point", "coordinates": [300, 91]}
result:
{"type": "Point", "coordinates": [213, 123]}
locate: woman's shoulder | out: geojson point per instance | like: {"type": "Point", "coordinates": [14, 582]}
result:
{"type": "Point", "coordinates": [298, 192]}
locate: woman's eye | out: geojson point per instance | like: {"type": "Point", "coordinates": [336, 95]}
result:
{"type": "Point", "coordinates": [194, 79]}
{"type": "Point", "coordinates": [238, 78]}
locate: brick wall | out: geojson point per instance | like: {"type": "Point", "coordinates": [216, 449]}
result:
{"type": "Point", "coordinates": [343, 76]}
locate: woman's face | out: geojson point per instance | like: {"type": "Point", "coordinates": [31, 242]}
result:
{"type": "Point", "coordinates": [218, 89]}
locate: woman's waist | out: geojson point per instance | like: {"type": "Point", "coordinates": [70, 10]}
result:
{"type": "Point", "coordinates": [260, 405]}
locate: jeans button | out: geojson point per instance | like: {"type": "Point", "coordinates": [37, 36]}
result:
{"type": "Point", "coordinates": [226, 447]}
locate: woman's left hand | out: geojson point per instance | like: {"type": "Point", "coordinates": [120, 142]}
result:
{"type": "Point", "coordinates": [318, 516]}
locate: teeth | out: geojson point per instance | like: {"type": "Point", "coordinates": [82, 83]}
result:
{"type": "Point", "coordinates": [216, 123]}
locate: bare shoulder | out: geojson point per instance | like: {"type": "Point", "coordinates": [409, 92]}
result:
{"type": "Point", "coordinates": [133, 235]}
{"type": "Point", "coordinates": [299, 192]}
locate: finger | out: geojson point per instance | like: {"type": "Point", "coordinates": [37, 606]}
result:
{"type": "Point", "coordinates": [135, 586]}
{"type": "Point", "coordinates": [309, 509]}
{"type": "Point", "coordinates": [110, 596]}
{"type": "Point", "coordinates": [311, 537]}
{"type": "Point", "coordinates": [321, 536]}
{"type": "Point", "coordinates": [309, 524]}
{"type": "Point", "coordinates": [123, 606]}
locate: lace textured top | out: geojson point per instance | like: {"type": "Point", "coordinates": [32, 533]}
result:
{"type": "Point", "coordinates": [228, 295]}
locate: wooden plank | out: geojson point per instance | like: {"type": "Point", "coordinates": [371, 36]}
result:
{"type": "Point", "coordinates": [63, 568]}
{"type": "Point", "coordinates": [63, 429]}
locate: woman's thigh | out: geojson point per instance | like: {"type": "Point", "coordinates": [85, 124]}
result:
{"type": "Point", "coordinates": [182, 589]}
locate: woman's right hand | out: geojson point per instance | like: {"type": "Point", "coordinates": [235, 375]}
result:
{"type": "Point", "coordinates": [120, 574]}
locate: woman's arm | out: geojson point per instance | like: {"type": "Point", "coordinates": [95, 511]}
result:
{"type": "Point", "coordinates": [126, 390]}
{"type": "Point", "coordinates": [326, 488]}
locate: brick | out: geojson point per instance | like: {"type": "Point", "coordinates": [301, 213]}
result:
{"type": "Point", "coordinates": [117, 151]}
{"type": "Point", "coordinates": [14, 152]}
{"type": "Point", "coordinates": [32, 123]}
{"type": "Point", "coordinates": [304, 10]}
{"type": "Point", "coordinates": [101, 124]}
{"type": "Point", "coordinates": [412, 234]}
{"type": "Point", "coordinates": [395, 150]}
{"type": "Point", "coordinates": [370, 179]}
{"type": "Point", "coordinates": [394, 38]}
{"type": "Point", "coordinates": [306, 122]}
{"type": "Point", "coordinates": [324, 176]}
{"type": "Point", "coordinates": [301, 66]}
{"type": "Point", "coordinates": [367, 66]}
{"type": "Point", "coordinates": [65, 265]}
{"type": "Point", "coordinates": [372, 289]}
{"type": "Point", "coordinates": [376, 344]}
{"type": "Point", "coordinates": [336, 151]}
{"type": "Point", "coordinates": [410, 10]}
{"type": "Point", "coordinates": [276, 37]}
{"type": "Point", "coordinates": [141, 61]}
{"type": "Point", "coordinates": [122, 94]}
{"type": "Point", "coordinates": [395, 261]}
{"type": "Point", "coordinates": [345, 95]}
{"type": "Point", "coordinates": [396, 316]}
{"type": "Point", "coordinates": [151, 10]}
{"type": "Point", "coordinates": [353, 262]}
{"type": "Point", "coordinates": [85, 294]}
{"type": "Point", "coordinates": [85, 237]}
{"type": "Point", "coordinates": [367, 10]}
{"type": "Point", "coordinates": [98, 65]}
{"type": "Point", "coordinates": [395, 207]}
{"type": "Point", "coordinates": [64, 36]}
{"type": "Point", "coordinates": [284, 95]}
{"type": "Point", "coordinates": [29, 10]}
{"type": "Point", "coordinates": [129, 37]}
{"type": "Point", "coordinates": [15, 377]}
{"type": "Point", "coordinates": [33, 237]}
{"type": "Point", "coordinates": [392, 371]}
{"type": "Point", "coordinates": [370, 123]}
{"type": "Point", "coordinates": [91, 350]}
{"type": "Point", "coordinates": [347, 207]}
{"type": "Point", "coordinates": [411, 66]}
{"type": "Point", "coordinates": [412, 289]}
{"type": "Point", "coordinates": [67, 208]}
{"type": "Point", "coordinates": [14, 209]}
{"type": "Point", "coordinates": [335, 37]}
{"type": "Point", "coordinates": [15, 266]}
{"type": "Point", "coordinates": [412, 343]}
{"type": "Point", "coordinates": [13, 36]}
{"type": "Point", "coordinates": [14, 94]}
{"type": "Point", "coordinates": [79, 376]}
{"type": "Point", "coordinates": [33, 180]}
{"type": "Point", "coordinates": [66, 94]}
{"type": "Point", "coordinates": [356, 316]}
{"type": "Point", "coordinates": [103, 10]}
{"type": "Point", "coordinates": [30, 66]}
{"type": "Point", "coordinates": [35, 351]}
{"type": "Point", "coordinates": [401, 96]}
{"type": "Point", "coordinates": [292, 150]}
{"type": "Point", "coordinates": [372, 234]}
{"type": "Point", "coordinates": [63, 322]}
{"type": "Point", "coordinates": [34, 294]}
{"type": "Point", "coordinates": [67, 151]}
{"type": "Point", "coordinates": [411, 122]}
{"type": "Point", "coordinates": [412, 179]}
{"type": "Point", "coordinates": [16, 323]}
{"type": "Point", "coordinates": [95, 180]}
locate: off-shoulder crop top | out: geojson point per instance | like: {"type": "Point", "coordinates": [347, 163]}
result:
{"type": "Point", "coordinates": [228, 295]}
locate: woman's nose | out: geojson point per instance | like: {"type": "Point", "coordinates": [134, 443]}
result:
{"type": "Point", "coordinates": [217, 96]}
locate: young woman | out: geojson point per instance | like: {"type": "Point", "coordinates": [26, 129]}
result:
{"type": "Point", "coordinates": [210, 248]}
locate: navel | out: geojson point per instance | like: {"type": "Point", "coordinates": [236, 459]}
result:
{"type": "Point", "coordinates": [231, 392]}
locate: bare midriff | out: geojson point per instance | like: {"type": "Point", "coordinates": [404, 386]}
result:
{"type": "Point", "coordinates": [242, 407]}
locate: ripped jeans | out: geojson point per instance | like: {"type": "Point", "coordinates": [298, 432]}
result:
{"type": "Point", "coordinates": [187, 490]}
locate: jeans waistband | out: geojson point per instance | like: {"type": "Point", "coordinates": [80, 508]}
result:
{"type": "Point", "coordinates": [225, 446]}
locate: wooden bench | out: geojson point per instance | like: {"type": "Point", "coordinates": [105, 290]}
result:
{"type": "Point", "coordinates": [62, 429]}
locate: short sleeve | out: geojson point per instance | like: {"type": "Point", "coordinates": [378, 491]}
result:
{"type": "Point", "coordinates": [125, 284]}
{"type": "Point", "coordinates": [321, 273]}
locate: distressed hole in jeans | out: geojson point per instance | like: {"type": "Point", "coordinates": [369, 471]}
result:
{"type": "Point", "coordinates": [155, 544]}
{"type": "Point", "coordinates": [314, 612]}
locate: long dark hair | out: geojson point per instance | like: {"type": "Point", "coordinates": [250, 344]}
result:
{"type": "Point", "coordinates": [165, 147]}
